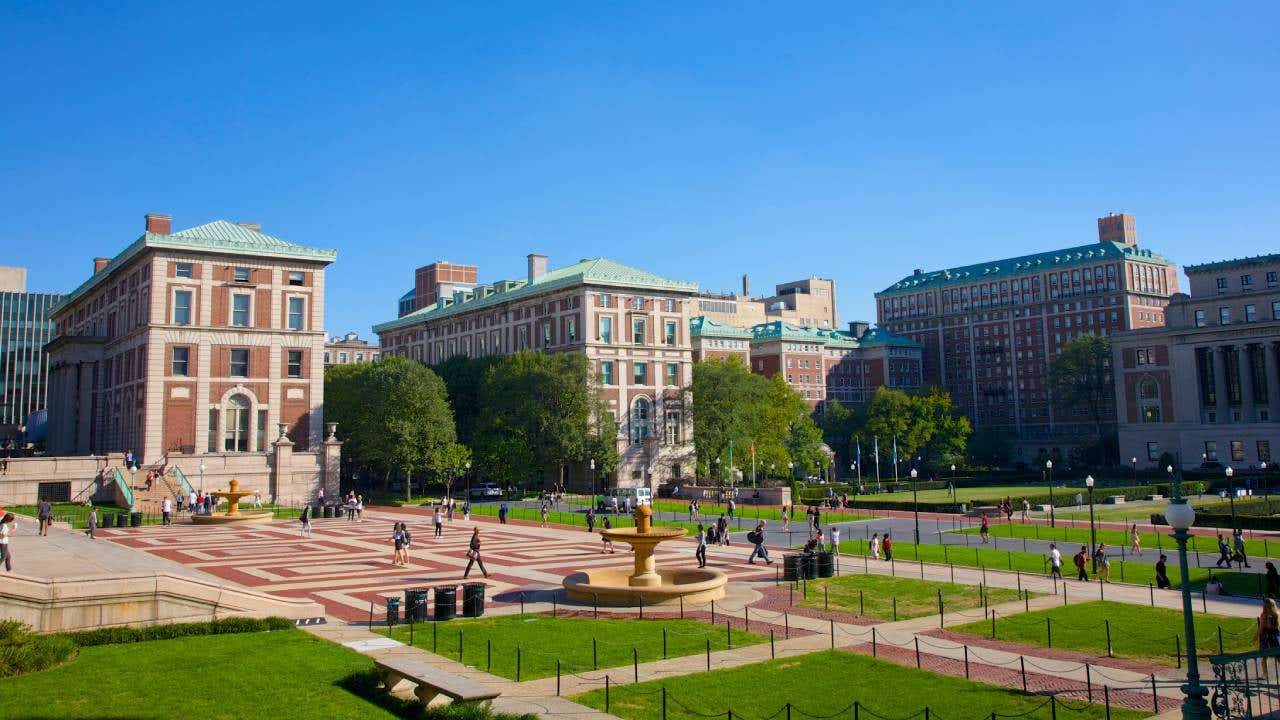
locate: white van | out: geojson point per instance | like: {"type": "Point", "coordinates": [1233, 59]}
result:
{"type": "Point", "coordinates": [615, 498]}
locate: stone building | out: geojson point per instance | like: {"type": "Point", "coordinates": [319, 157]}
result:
{"type": "Point", "coordinates": [349, 349]}
{"type": "Point", "coordinates": [632, 325]}
{"type": "Point", "coordinates": [25, 327]}
{"type": "Point", "coordinates": [808, 303]}
{"type": "Point", "coordinates": [1205, 385]}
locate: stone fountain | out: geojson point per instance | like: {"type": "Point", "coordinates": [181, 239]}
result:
{"type": "Point", "coordinates": [609, 586]}
{"type": "Point", "coordinates": [233, 515]}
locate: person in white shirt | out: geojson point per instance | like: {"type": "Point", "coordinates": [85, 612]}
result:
{"type": "Point", "coordinates": [6, 528]}
{"type": "Point", "coordinates": [835, 539]}
{"type": "Point", "coordinates": [191, 502]}
{"type": "Point", "coordinates": [1055, 561]}
{"type": "Point", "coordinates": [875, 546]}
{"type": "Point", "coordinates": [166, 507]}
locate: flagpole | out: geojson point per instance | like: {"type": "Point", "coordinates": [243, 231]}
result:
{"type": "Point", "coordinates": [895, 459]}
{"type": "Point", "coordinates": [857, 463]}
{"type": "Point", "coordinates": [876, 440]}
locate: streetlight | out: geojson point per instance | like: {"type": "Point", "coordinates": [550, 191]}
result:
{"type": "Point", "coordinates": [202, 477]}
{"type": "Point", "coordinates": [1093, 534]}
{"type": "Point", "coordinates": [915, 505]}
{"type": "Point", "coordinates": [1231, 496]}
{"type": "Point", "coordinates": [1134, 461]}
{"type": "Point", "coordinates": [591, 464]}
{"type": "Point", "coordinates": [772, 468]}
{"type": "Point", "coordinates": [1180, 516]}
{"type": "Point", "coordinates": [467, 465]}
{"type": "Point", "coordinates": [1048, 471]}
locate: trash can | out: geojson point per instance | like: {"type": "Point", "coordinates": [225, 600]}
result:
{"type": "Point", "coordinates": [106, 519]}
{"type": "Point", "coordinates": [393, 610]}
{"type": "Point", "coordinates": [825, 564]}
{"type": "Point", "coordinates": [135, 519]}
{"type": "Point", "coordinates": [328, 511]}
{"type": "Point", "coordinates": [415, 605]}
{"type": "Point", "coordinates": [473, 599]}
{"type": "Point", "coordinates": [446, 602]}
{"type": "Point", "coordinates": [791, 567]}
{"type": "Point", "coordinates": [810, 565]}
{"type": "Point", "coordinates": [122, 520]}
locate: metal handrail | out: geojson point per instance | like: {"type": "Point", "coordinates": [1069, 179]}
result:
{"type": "Point", "coordinates": [124, 487]}
{"type": "Point", "coordinates": [182, 480]}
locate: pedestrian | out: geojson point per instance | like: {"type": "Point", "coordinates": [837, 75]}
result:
{"type": "Point", "coordinates": [1079, 561]}
{"type": "Point", "coordinates": [835, 540]}
{"type": "Point", "coordinates": [1224, 552]}
{"type": "Point", "coordinates": [502, 513]}
{"type": "Point", "coordinates": [1268, 629]}
{"type": "Point", "coordinates": [191, 502]}
{"type": "Point", "coordinates": [92, 522]}
{"type": "Point", "coordinates": [732, 506]}
{"type": "Point", "coordinates": [360, 508]}
{"type": "Point", "coordinates": [180, 497]}
{"type": "Point", "coordinates": [1026, 508]}
{"type": "Point", "coordinates": [473, 554]}
{"type": "Point", "coordinates": [875, 546]}
{"type": "Point", "coordinates": [699, 554]}
{"type": "Point", "coordinates": [1055, 561]}
{"type": "Point", "coordinates": [7, 522]}
{"type": "Point", "coordinates": [606, 545]}
{"type": "Point", "coordinates": [888, 547]}
{"type": "Point", "coordinates": [1102, 566]}
{"type": "Point", "coordinates": [756, 538]}
{"type": "Point", "coordinates": [44, 512]}
{"type": "Point", "coordinates": [320, 497]}
{"type": "Point", "coordinates": [544, 514]}
{"type": "Point", "coordinates": [257, 499]}
{"type": "Point", "coordinates": [1162, 574]}
{"type": "Point", "coordinates": [437, 522]}
{"type": "Point", "coordinates": [166, 508]}
{"type": "Point", "coordinates": [1135, 540]}
{"type": "Point", "coordinates": [304, 529]}
{"type": "Point", "coordinates": [591, 520]}
{"type": "Point", "coordinates": [1273, 581]}
{"type": "Point", "coordinates": [1241, 557]}
{"type": "Point", "coordinates": [352, 504]}
{"type": "Point", "coordinates": [985, 530]}
{"type": "Point", "coordinates": [722, 530]}
{"type": "Point", "coordinates": [817, 519]}
{"type": "Point", "coordinates": [466, 511]}
{"type": "Point", "coordinates": [397, 541]}
{"type": "Point", "coordinates": [408, 542]}
{"type": "Point", "coordinates": [786, 519]}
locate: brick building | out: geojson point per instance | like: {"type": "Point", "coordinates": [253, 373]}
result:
{"type": "Point", "coordinates": [1206, 384]}
{"type": "Point", "coordinates": [432, 282]}
{"type": "Point", "coordinates": [349, 349]}
{"type": "Point", "coordinates": [197, 341]}
{"type": "Point", "coordinates": [808, 303]}
{"type": "Point", "coordinates": [991, 330]}
{"type": "Point", "coordinates": [632, 325]}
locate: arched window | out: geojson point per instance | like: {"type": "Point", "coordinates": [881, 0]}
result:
{"type": "Point", "coordinates": [1149, 400]}
{"type": "Point", "coordinates": [236, 427]}
{"type": "Point", "coordinates": [639, 420]}
{"type": "Point", "coordinates": [1148, 389]}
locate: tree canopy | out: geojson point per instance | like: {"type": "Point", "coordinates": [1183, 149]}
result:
{"type": "Point", "coordinates": [1080, 378]}
{"type": "Point", "coordinates": [925, 425]}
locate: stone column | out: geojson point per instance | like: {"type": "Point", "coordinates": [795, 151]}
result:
{"type": "Point", "coordinates": [330, 478]}
{"type": "Point", "coordinates": [1220, 357]}
{"type": "Point", "coordinates": [282, 463]}
{"type": "Point", "coordinates": [1271, 363]}
{"type": "Point", "coordinates": [1244, 356]}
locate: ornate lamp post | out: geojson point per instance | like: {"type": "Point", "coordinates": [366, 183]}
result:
{"type": "Point", "coordinates": [1048, 472]}
{"type": "Point", "coordinates": [1093, 534]}
{"type": "Point", "coordinates": [1134, 462]}
{"type": "Point", "coordinates": [591, 466]}
{"type": "Point", "coordinates": [202, 477]}
{"type": "Point", "coordinates": [772, 468]}
{"type": "Point", "coordinates": [915, 504]}
{"type": "Point", "coordinates": [1181, 516]}
{"type": "Point", "coordinates": [1231, 494]}
{"type": "Point", "coordinates": [467, 467]}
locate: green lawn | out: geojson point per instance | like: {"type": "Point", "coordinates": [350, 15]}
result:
{"type": "Point", "coordinates": [253, 675]}
{"type": "Point", "coordinates": [987, 495]}
{"type": "Point", "coordinates": [1120, 538]}
{"type": "Point", "coordinates": [490, 643]}
{"type": "Point", "coordinates": [823, 684]}
{"type": "Point", "coordinates": [874, 596]}
{"type": "Point", "coordinates": [578, 518]}
{"type": "Point", "coordinates": [75, 513]}
{"type": "Point", "coordinates": [1137, 632]}
{"type": "Point", "coordinates": [1236, 583]}
{"type": "Point", "coordinates": [1110, 513]}
{"type": "Point", "coordinates": [745, 512]}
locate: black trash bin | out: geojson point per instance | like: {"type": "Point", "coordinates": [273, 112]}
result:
{"type": "Point", "coordinates": [328, 511]}
{"type": "Point", "coordinates": [791, 567]}
{"type": "Point", "coordinates": [135, 519]}
{"type": "Point", "coordinates": [825, 564]}
{"type": "Point", "coordinates": [415, 605]}
{"type": "Point", "coordinates": [122, 520]}
{"type": "Point", "coordinates": [446, 602]}
{"type": "Point", "coordinates": [810, 566]}
{"type": "Point", "coordinates": [106, 519]}
{"type": "Point", "coordinates": [473, 599]}
{"type": "Point", "coordinates": [393, 610]}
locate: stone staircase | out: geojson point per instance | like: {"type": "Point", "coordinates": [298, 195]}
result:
{"type": "Point", "coordinates": [151, 501]}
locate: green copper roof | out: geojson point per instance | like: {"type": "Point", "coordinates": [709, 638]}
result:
{"type": "Point", "coordinates": [218, 236]}
{"type": "Point", "coordinates": [1237, 262]}
{"type": "Point", "coordinates": [600, 272]}
{"type": "Point", "coordinates": [879, 337]}
{"type": "Point", "coordinates": [1026, 264]}
{"type": "Point", "coordinates": [703, 326]}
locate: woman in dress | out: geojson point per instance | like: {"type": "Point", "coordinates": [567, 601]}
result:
{"type": "Point", "coordinates": [544, 514]}
{"type": "Point", "coordinates": [1135, 540]}
{"type": "Point", "coordinates": [875, 546]}
{"type": "Point", "coordinates": [1268, 629]}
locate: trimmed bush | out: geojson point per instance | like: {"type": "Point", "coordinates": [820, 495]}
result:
{"type": "Point", "coordinates": [22, 651]}
{"type": "Point", "coordinates": [224, 626]}
{"type": "Point", "coordinates": [1062, 497]}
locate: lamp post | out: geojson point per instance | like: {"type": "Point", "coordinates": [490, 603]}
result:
{"type": "Point", "coordinates": [467, 466]}
{"type": "Point", "coordinates": [591, 468]}
{"type": "Point", "coordinates": [773, 467]}
{"type": "Point", "coordinates": [202, 477]}
{"type": "Point", "coordinates": [915, 505]}
{"type": "Point", "coordinates": [1134, 462]}
{"type": "Point", "coordinates": [1093, 533]}
{"type": "Point", "coordinates": [1048, 471]}
{"type": "Point", "coordinates": [1231, 494]}
{"type": "Point", "coordinates": [1180, 517]}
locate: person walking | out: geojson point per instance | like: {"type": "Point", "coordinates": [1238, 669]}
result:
{"type": "Point", "coordinates": [544, 514]}
{"type": "Point", "coordinates": [875, 546]}
{"type": "Point", "coordinates": [732, 506]}
{"type": "Point", "coordinates": [888, 547]}
{"type": "Point", "coordinates": [985, 530]}
{"type": "Point", "coordinates": [1026, 508]}
{"type": "Point", "coordinates": [91, 522]}
{"type": "Point", "coordinates": [304, 528]}
{"type": "Point", "coordinates": [1162, 573]}
{"type": "Point", "coordinates": [1268, 632]}
{"type": "Point", "coordinates": [397, 540]}
{"type": "Point", "coordinates": [191, 502]}
{"type": "Point", "coordinates": [448, 509]}
{"type": "Point", "coordinates": [835, 540]}
{"type": "Point", "coordinates": [756, 538]}
{"type": "Point", "coordinates": [1224, 552]}
{"type": "Point", "coordinates": [502, 513]}
{"type": "Point", "coordinates": [44, 512]}
{"type": "Point", "coordinates": [700, 554]}
{"type": "Point", "coordinates": [7, 522]}
{"type": "Point", "coordinates": [473, 554]}
{"type": "Point", "coordinates": [786, 519]}
{"type": "Point", "coordinates": [360, 508]}
{"type": "Point", "coordinates": [1103, 564]}
{"type": "Point", "coordinates": [1135, 540]}
{"type": "Point", "coordinates": [1241, 557]}
{"type": "Point", "coordinates": [166, 509]}
{"type": "Point", "coordinates": [1055, 562]}
{"type": "Point", "coordinates": [437, 522]}
{"type": "Point", "coordinates": [606, 545]}
{"type": "Point", "coordinates": [1079, 561]}
{"type": "Point", "coordinates": [722, 530]}
{"type": "Point", "coordinates": [591, 520]}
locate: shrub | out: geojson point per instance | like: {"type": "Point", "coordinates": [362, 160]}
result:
{"type": "Point", "coordinates": [22, 651]}
{"type": "Point", "coordinates": [224, 626]}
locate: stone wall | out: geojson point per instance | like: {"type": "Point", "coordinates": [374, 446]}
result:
{"type": "Point", "coordinates": [20, 481]}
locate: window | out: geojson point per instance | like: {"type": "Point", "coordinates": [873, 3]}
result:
{"type": "Point", "coordinates": [326, 357]}
{"type": "Point", "coordinates": [546, 334]}
{"type": "Point", "coordinates": [674, 428]}
{"type": "Point", "coordinates": [294, 364]}
{"type": "Point", "coordinates": [637, 303]}
{"type": "Point", "coordinates": [639, 373]}
{"type": "Point", "coordinates": [182, 270]}
{"type": "Point", "coordinates": [606, 372]}
{"type": "Point", "coordinates": [1246, 282]}
{"type": "Point", "coordinates": [239, 362]}
{"type": "Point", "coordinates": [1250, 313]}
{"type": "Point", "coordinates": [671, 304]}
{"type": "Point", "coordinates": [180, 362]}
{"type": "Point", "coordinates": [296, 277]}
{"type": "Point", "coordinates": [1222, 285]}
{"type": "Point", "coordinates": [639, 420]}
{"type": "Point", "coordinates": [669, 336]}
{"type": "Point", "coordinates": [673, 374]}
{"type": "Point", "coordinates": [606, 300]}
{"type": "Point", "coordinates": [1237, 451]}
{"type": "Point", "coordinates": [1200, 321]}
{"type": "Point", "coordinates": [1153, 451]}
{"type": "Point", "coordinates": [360, 355]}
{"type": "Point", "coordinates": [236, 432]}
{"type": "Point", "coordinates": [1211, 450]}
{"type": "Point", "coordinates": [240, 310]}
{"type": "Point", "coordinates": [296, 312]}
{"type": "Point", "coordinates": [1275, 309]}
{"type": "Point", "coordinates": [1224, 316]}
{"type": "Point", "coordinates": [571, 329]}
{"type": "Point", "coordinates": [606, 330]}
{"type": "Point", "coordinates": [1148, 400]}
{"type": "Point", "coordinates": [1264, 451]}
{"type": "Point", "coordinates": [342, 357]}
{"type": "Point", "coordinates": [637, 331]}
{"type": "Point", "coordinates": [182, 307]}
{"type": "Point", "coordinates": [1271, 278]}
{"type": "Point", "coordinates": [240, 275]}
{"type": "Point", "coordinates": [213, 430]}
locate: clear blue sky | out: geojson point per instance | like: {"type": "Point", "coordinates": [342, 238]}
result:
{"type": "Point", "coordinates": [778, 139]}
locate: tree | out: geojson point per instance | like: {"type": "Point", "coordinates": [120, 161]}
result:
{"type": "Point", "coordinates": [924, 425]}
{"type": "Point", "coordinates": [464, 377]}
{"type": "Point", "coordinates": [838, 424]}
{"type": "Point", "coordinates": [992, 447]}
{"type": "Point", "coordinates": [1080, 378]}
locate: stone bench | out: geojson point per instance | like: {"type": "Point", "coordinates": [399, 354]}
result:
{"type": "Point", "coordinates": [1115, 500]}
{"type": "Point", "coordinates": [430, 680]}
{"type": "Point", "coordinates": [1155, 497]}
{"type": "Point", "coordinates": [989, 511]}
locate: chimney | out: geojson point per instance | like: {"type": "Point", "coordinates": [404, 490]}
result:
{"type": "Point", "coordinates": [537, 266]}
{"type": "Point", "coordinates": [100, 264]}
{"type": "Point", "coordinates": [917, 271]}
{"type": "Point", "coordinates": [159, 223]}
{"type": "Point", "coordinates": [746, 284]}
{"type": "Point", "coordinates": [858, 328]}
{"type": "Point", "coordinates": [250, 226]}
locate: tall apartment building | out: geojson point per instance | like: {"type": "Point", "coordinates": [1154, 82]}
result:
{"type": "Point", "coordinates": [818, 364]}
{"type": "Point", "coordinates": [1205, 386]}
{"type": "Point", "coordinates": [349, 349]}
{"type": "Point", "coordinates": [631, 324]}
{"type": "Point", "coordinates": [195, 341]}
{"type": "Point", "coordinates": [25, 327]}
{"type": "Point", "coordinates": [991, 330]}
{"type": "Point", "coordinates": [807, 303]}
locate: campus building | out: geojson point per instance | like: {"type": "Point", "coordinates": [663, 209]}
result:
{"type": "Point", "coordinates": [807, 303]}
{"type": "Point", "coordinates": [990, 331]}
{"type": "Point", "coordinates": [201, 341]}
{"type": "Point", "coordinates": [632, 325]}
{"type": "Point", "coordinates": [1205, 385]}
{"type": "Point", "coordinates": [432, 282]}
{"type": "Point", "coordinates": [25, 327]}
{"type": "Point", "coordinates": [818, 364]}
{"type": "Point", "coordinates": [349, 349]}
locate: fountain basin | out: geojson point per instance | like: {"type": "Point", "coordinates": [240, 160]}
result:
{"type": "Point", "coordinates": [611, 586]}
{"type": "Point", "coordinates": [243, 517]}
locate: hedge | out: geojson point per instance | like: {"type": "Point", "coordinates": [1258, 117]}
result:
{"type": "Point", "coordinates": [1062, 497]}
{"type": "Point", "coordinates": [1215, 520]}
{"type": "Point", "coordinates": [224, 626]}
{"type": "Point", "coordinates": [22, 651]}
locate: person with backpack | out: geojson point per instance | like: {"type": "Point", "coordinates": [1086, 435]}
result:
{"type": "Point", "coordinates": [502, 513]}
{"type": "Point", "coordinates": [304, 530]}
{"type": "Point", "coordinates": [701, 553]}
{"type": "Point", "coordinates": [397, 540]}
{"type": "Point", "coordinates": [408, 540]}
{"type": "Point", "coordinates": [1240, 556]}
{"type": "Point", "coordinates": [756, 538]}
{"type": "Point", "coordinates": [1224, 552]}
{"type": "Point", "coordinates": [1079, 561]}
{"type": "Point", "coordinates": [1162, 574]}
{"type": "Point", "coordinates": [473, 554]}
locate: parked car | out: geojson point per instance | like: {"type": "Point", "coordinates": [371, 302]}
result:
{"type": "Point", "coordinates": [486, 491]}
{"type": "Point", "coordinates": [615, 498]}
